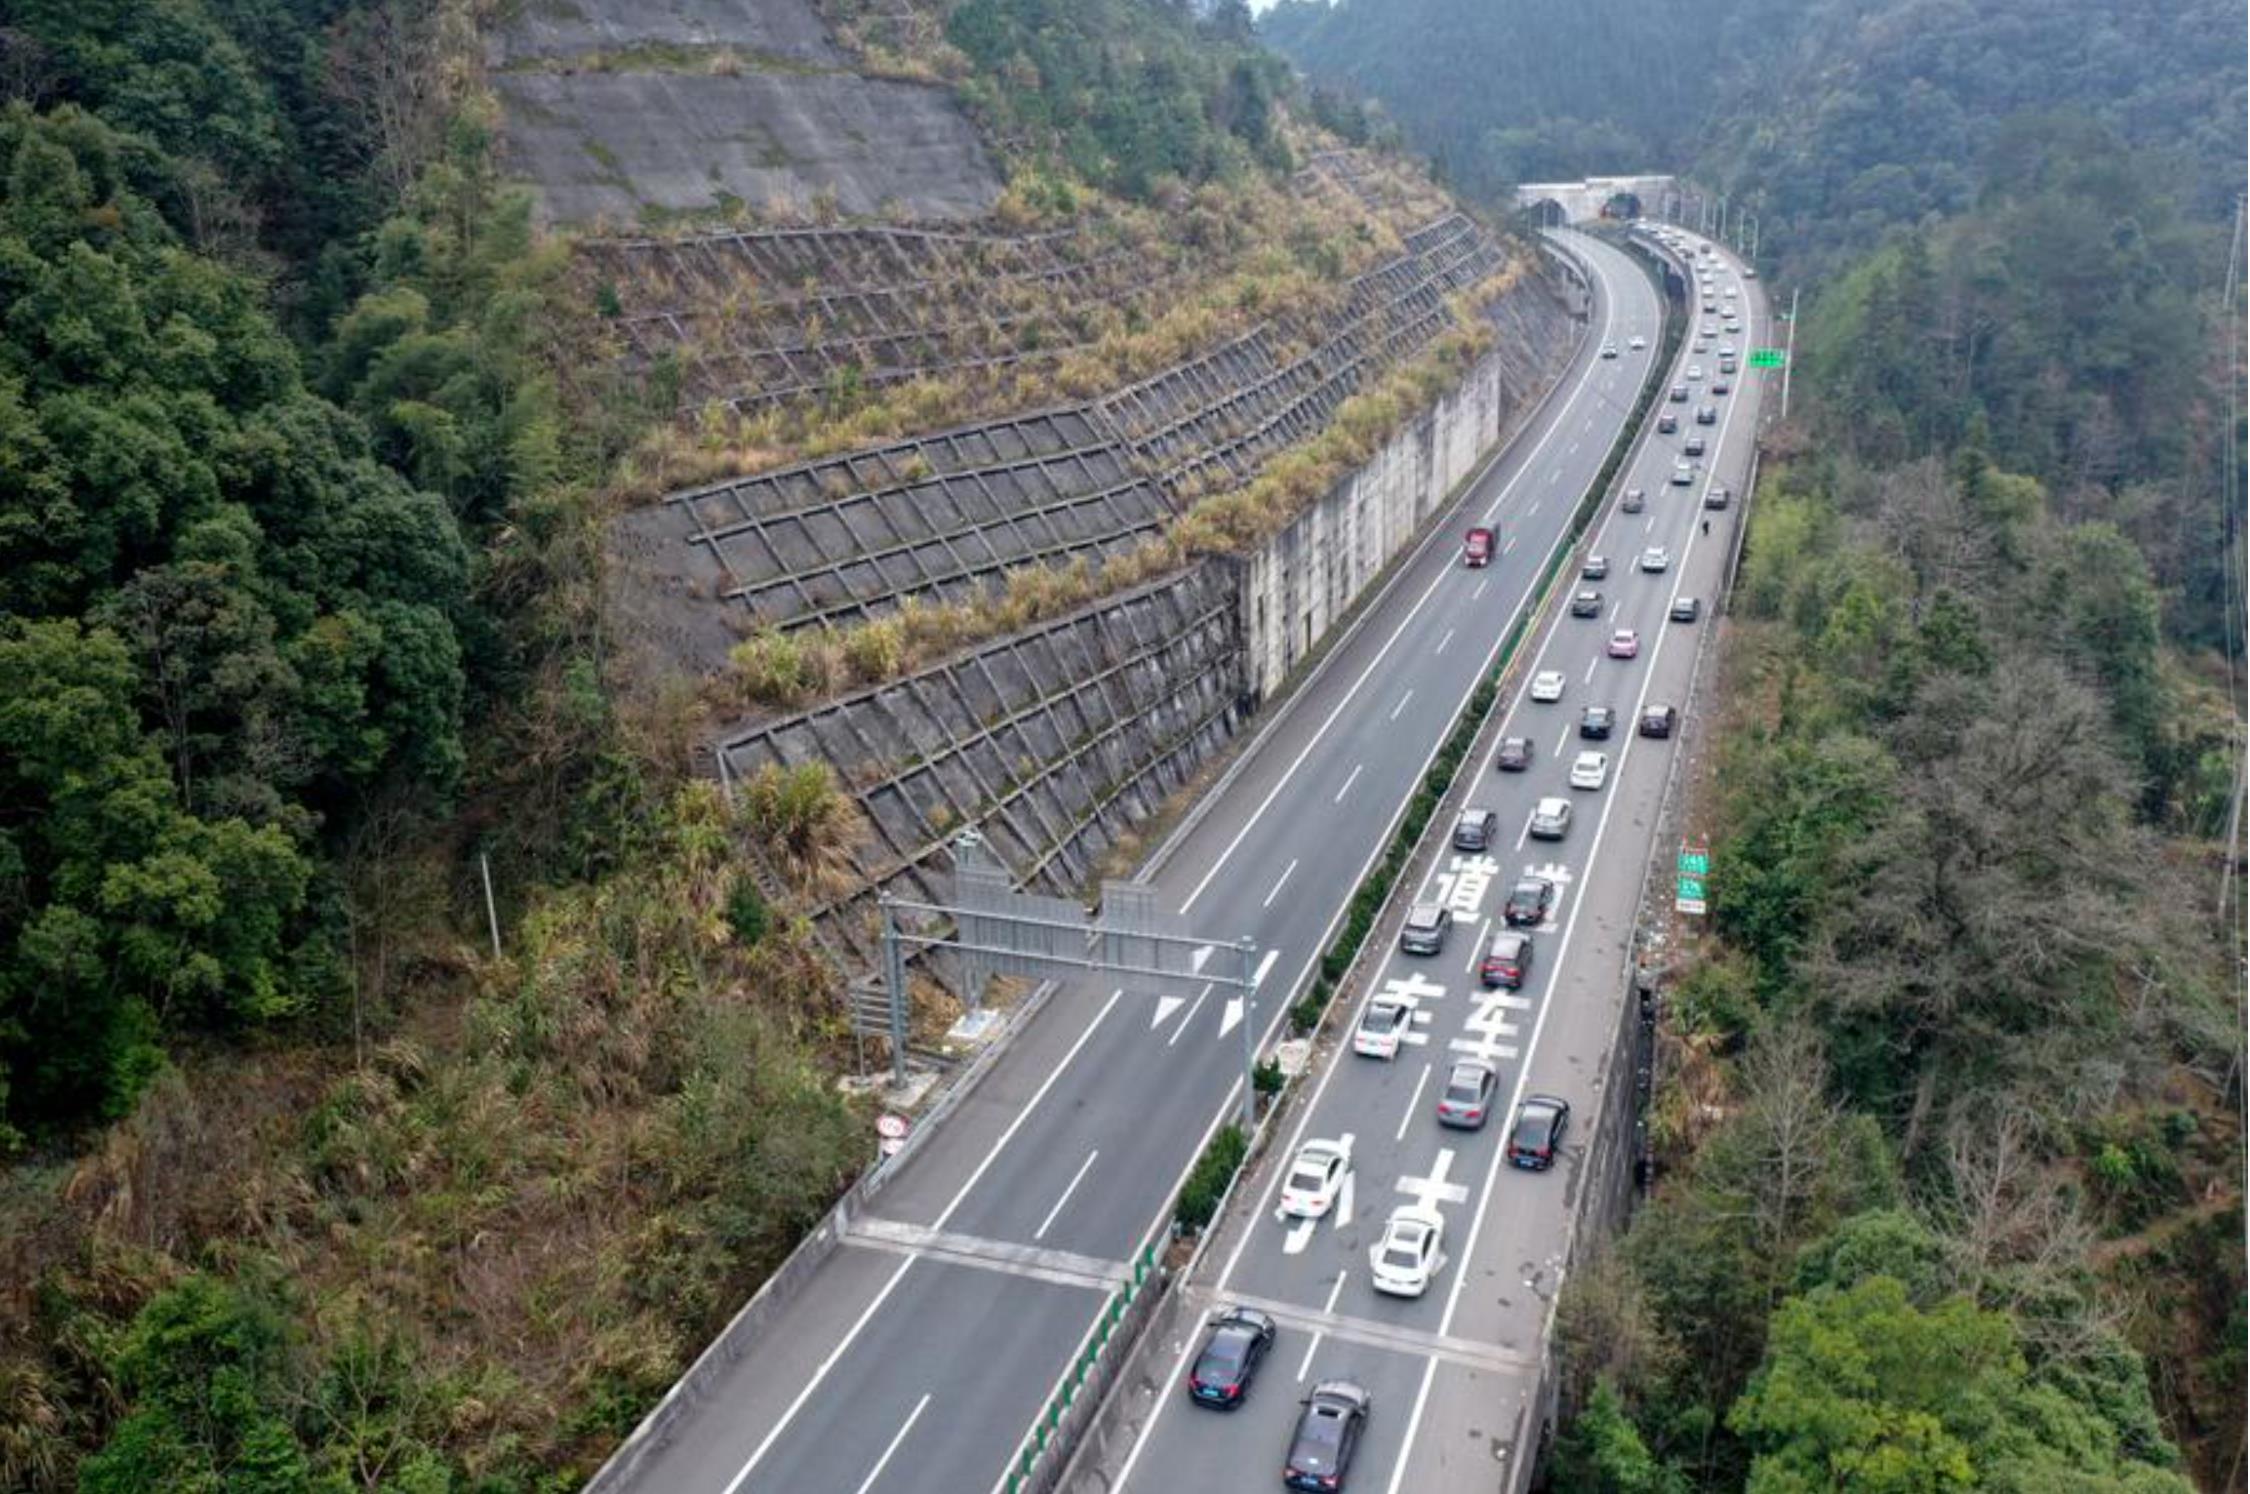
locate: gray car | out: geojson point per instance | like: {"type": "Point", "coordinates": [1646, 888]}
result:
{"type": "Point", "coordinates": [1424, 930]}
{"type": "Point", "coordinates": [1475, 829]}
{"type": "Point", "coordinates": [1551, 819]}
{"type": "Point", "coordinates": [1467, 1097]}
{"type": "Point", "coordinates": [1328, 1433]}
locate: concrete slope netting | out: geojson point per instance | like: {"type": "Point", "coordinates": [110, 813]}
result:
{"type": "Point", "coordinates": [944, 517]}
{"type": "Point", "coordinates": [1211, 422]}
{"type": "Point", "coordinates": [936, 517]}
{"type": "Point", "coordinates": [761, 319]}
{"type": "Point", "coordinates": [1053, 743]}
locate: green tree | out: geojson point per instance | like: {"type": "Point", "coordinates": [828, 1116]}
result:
{"type": "Point", "coordinates": [1861, 1389]}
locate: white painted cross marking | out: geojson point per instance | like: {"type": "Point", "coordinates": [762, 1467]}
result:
{"type": "Point", "coordinates": [1432, 1190]}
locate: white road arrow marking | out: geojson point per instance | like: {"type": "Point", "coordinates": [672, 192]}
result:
{"type": "Point", "coordinates": [1165, 1006]}
{"type": "Point", "coordinates": [1232, 1015]}
{"type": "Point", "coordinates": [1344, 1195]}
{"type": "Point", "coordinates": [1299, 1236]}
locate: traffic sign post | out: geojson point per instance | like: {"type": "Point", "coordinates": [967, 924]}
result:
{"type": "Point", "coordinates": [1694, 870]}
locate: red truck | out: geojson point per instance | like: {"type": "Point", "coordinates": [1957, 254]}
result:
{"type": "Point", "coordinates": [1477, 549]}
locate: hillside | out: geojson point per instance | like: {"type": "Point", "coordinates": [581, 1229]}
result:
{"type": "Point", "coordinates": [519, 517]}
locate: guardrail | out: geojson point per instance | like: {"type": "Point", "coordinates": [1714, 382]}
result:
{"type": "Point", "coordinates": [1045, 1451]}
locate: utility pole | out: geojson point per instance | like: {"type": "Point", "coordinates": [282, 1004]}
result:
{"type": "Point", "coordinates": [1789, 353]}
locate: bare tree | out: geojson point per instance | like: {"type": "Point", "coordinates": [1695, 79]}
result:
{"type": "Point", "coordinates": [385, 58]}
{"type": "Point", "coordinates": [26, 71]}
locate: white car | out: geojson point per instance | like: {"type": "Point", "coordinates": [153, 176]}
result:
{"type": "Point", "coordinates": [1547, 685]}
{"type": "Point", "coordinates": [1590, 771]}
{"type": "Point", "coordinates": [1609, 350]}
{"type": "Point", "coordinates": [1637, 343]}
{"type": "Point", "coordinates": [1726, 350]}
{"type": "Point", "coordinates": [1315, 1177]}
{"type": "Point", "coordinates": [1381, 1025]}
{"type": "Point", "coordinates": [1411, 1252]}
{"type": "Point", "coordinates": [1656, 559]}
{"type": "Point", "coordinates": [1695, 373]}
{"type": "Point", "coordinates": [1728, 293]}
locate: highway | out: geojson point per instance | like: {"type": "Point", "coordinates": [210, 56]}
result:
{"type": "Point", "coordinates": [923, 1350]}
{"type": "Point", "coordinates": [1455, 1373]}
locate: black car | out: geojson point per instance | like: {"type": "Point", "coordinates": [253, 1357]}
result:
{"type": "Point", "coordinates": [1587, 603]}
{"type": "Point", "coordinates": [1720, 386]}
{"type": "Point", "coordinates": [1667, 423]}
{"type": "Point", "coordinates": [1693, 446]}
{"type": "Point", "coordinates": [1529, 902]}
{"type": "Point", "coordinates": [1538, 1132]}
{"type": "Point", "coordinates": [1716, 496]}
{"type": "Point", "coordinates": [1658, 720]}
{"type": "Point", "coordinates": [1686, 609]}
{"type": "Point", "coordinates": [1328, 1433]}
{"type": "Point", "coordinates": [1707, 415]}
{"type": "Point", "coordinates": [1507, 959]}
{"type": "Point", "coordinates": [1596, 568]}
{"type": "Point", "coordinates": [1475, 829]}
{"type": "Point", "coordinates": [1514, 755]}
{"type": "Point", "coordinates": [1679, 394]}
{"type": "Point", "coordinates": [1230, 1358]}
{"type": "Point", "coordinates": [1634, 501]}
{"type": "Point", "coordinates": [1596, 722]}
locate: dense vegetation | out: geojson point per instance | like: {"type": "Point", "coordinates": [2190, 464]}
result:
{"type": "Point", "coordinates": [1837, 118]}
{"type": "Point", "coordinates": [305, 442]}
{"type": "Point", "coordinates": [1125, 92]}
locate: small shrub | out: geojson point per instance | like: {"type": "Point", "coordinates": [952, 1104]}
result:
{"type": "Point", "coordinates": [1266, 1078]}
{"type": "Point", "coordinates": [747, 914]}
{"type": "Point", "coordinates": [1207, 1184]}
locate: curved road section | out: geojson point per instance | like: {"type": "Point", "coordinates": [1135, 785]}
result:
{"type": "Point", "coordinates": [1454, 1374]}
{"type": "Point", "coordinates": [919, 1355]}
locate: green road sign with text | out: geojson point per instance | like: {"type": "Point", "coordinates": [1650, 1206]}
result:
{"type": "Point", "coordinates": [1767, 357]}
{"type": "Point", "coordinates": [1695, 863]}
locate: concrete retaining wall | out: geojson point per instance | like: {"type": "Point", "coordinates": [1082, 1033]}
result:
{"type": "Point", "coordinates": [1303, 581]}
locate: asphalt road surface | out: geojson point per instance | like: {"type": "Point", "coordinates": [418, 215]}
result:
{"type": "Point", "coordinates": [923, 1351]}
{"type": "Point", "coordinates": [1454, 1373]}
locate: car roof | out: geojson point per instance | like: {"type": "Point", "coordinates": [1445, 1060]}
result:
{"type": "Point", "coordinates": [1552, 803]}
{"type": "Point", "coordinates": [1421, 1214]}
{"type": "Point", "coordinates": [1543, 1102]}
{"type": "Point", "coordinates": [1426, 911]}
{"type": "Point", "coordinates": [1472, 1065]}
{"type": "Point", "coordinates": [1349, 1390]}
{"type": "Point", "coordinates": [1319, 1146]}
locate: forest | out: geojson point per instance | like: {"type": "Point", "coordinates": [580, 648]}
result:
{"type": "Point", "coordinates": [312, 1181]}
{"type": "Point", "coordinates": [1948, 1188]}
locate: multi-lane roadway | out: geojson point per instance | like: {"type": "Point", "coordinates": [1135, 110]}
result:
{"type": "Point", "coordinates": [1454, 1374]}
{"type": "Point", "coordinates": [919, 1355]}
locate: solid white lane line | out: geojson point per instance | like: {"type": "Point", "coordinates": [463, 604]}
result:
{"type": "Point", "coordinates": [1189, 1020]}
{"type": "Point", "coordinates": [859, 1325]}
{"type": "Point", "coordinates": [1413, 1102]}
{"type": "Point", "coordinates": [1347, 788]}
{"type": "Point", "coordinates": [1075, 1179]}
{"type": "Point", "coordinates": [1538, 1026]}
{"type": "Point", "coordinates": [1442, 642]}
{"type": "Point", "coordinates": [884, 1461]}
{"type": "Point", "coordinates": [1609, 316]}
{"type": "Point", "coordinates": [1277, 884]}
{"type": "Point", "coordinates": [1402, 700]}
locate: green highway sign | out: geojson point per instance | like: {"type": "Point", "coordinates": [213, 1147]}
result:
{"type": "Point", "coordinates": [1695, 866]}
{"type": "Point", "coordinates": [1767, 357]}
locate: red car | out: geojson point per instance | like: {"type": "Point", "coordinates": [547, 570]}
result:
{"type": "Point", "coordinates": [1477, 549]}
{"type": "Point", "coordinates": [1624, 644]}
